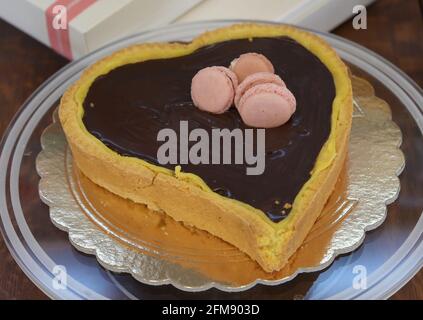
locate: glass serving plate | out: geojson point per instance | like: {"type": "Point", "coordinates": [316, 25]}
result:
{"type": "Point", "coordinates": [390, 256]}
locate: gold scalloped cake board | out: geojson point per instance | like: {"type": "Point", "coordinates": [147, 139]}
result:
{"type": "Point", "coordinates": [155, 249]}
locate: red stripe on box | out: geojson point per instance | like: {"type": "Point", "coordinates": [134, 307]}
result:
{"type": "Point", "coordinates": [58, 36]}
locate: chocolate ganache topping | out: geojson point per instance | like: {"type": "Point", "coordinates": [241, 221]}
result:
{"type": "Point", "coordinates": [127, 107]}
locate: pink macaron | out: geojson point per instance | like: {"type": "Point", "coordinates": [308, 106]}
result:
{"type": "Point", "coordinates": [266, 106]}
{"type": "Point", "coordinates": [213, 89]}
{"type": "Point", "coordinates": [250, 63]}
{"type": "Point", "coordinates": [255, 79]}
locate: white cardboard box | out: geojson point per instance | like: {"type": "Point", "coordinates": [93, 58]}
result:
{"type": "Point", "coordinates": [94, 23]}
{"type": "Point", "coordinates": [322, 15]}
{"type": "Point", "coordinates": [100, 22]}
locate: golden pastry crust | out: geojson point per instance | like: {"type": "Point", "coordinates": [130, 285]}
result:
{"type": "Point", "coordinates": [186, 197]}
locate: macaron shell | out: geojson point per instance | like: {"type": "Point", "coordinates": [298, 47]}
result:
{"type": "Point", "coordinates": [267, 106]}
{"type": "Point", "coordinates": [256, 79]}
{"type": "Point", "coordinates": [230, 74]}
{"type": "Point", "coordinates": [250, 63]}
{"type": "Point", "coordinates": [212, 90]}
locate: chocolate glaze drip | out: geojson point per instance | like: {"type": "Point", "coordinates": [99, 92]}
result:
{"type": "Point", "coordinates": [126, 108]}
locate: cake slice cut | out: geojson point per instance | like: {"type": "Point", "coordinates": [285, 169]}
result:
{"type": "Point", "coordinates": [111, 117]}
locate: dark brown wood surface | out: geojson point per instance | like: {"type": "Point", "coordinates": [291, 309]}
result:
{"type": "Point", "coordinates": [395, 31]}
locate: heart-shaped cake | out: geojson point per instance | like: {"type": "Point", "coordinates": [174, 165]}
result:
{"type": "Point", "coordinates": [113, 115]}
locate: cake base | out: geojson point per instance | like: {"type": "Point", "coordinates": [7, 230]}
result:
{"type": "Point", "coordinates": [155, 249]}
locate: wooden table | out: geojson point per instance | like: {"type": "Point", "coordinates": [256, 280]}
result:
{"type": "Point", "coordinates": [395, 31]}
